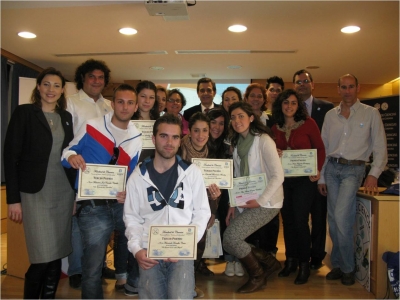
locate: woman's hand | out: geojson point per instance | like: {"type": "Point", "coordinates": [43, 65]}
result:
{"type": "Point", "coordinates": [77, 162]}
{"type": "Point", "coordinates": [315, 177]}
{"type": "Point", "coordinates": [211, 221]}
{"type": "Point", "coordinates": [214, 190]}
{"type": "Point", "coordinates": [121, 197]}
{"type": "Point", "coordinates": [280, 152]}
{"type": "Point", "coordinates": [230, 215]}
{"type": "Point", "coordinates": [250, 204]}
{"type": "Point", "coordinates": [15, 212]}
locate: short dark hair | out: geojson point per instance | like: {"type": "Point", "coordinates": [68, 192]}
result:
{"type": "Point", "coordinates": [301, 72]}
{"type": "Point", "coordinates": [206, 80]}
{"type": "Point", "coordinates": [348, 75]}
{"type": "Point", "coordinates": [167, 119]}
{"type": "Point", "coordinates": [89, 66]}
{"type": "Point", "coordinates": [177, 91]}
{"type": "Point", "coordinates": [277, 114]}
{"type": "Point", "coordinates": [199, 116]}
{"type": "Point", "coordinates": [124, 87]}
{"type": "Point", "coordinates": [36, 99]}
{"type": "Point", "coordinates": [275, 79]}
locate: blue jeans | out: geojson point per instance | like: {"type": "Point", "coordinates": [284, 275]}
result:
{"type": "Point", "coordinates": [167, 280]}
{"type": "Point", "coordinates": [96, 224]}
{"type": "Point", "coordinates": [75, 258]}
{"type": "Point", "coordinates": [342, 182]}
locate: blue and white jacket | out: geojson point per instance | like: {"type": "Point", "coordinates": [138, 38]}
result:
{"type": "Point", "coordinates": [95, 143]}
{"type": "Point", "coordinates": [145, 206]}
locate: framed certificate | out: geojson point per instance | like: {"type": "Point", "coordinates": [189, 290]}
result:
{"type": "Point", "coordinates": [299, 162]}
{"type": "Point", "coordinates": [146, 128]}
{"type": "Point", "coordinates": [247, 188]}
{"type": "Point", "coordinates": [218, 171]}
{"type": "Point", "coordinates": [172, 241]}
{"type": "Point", "coordinates": [101, 181]}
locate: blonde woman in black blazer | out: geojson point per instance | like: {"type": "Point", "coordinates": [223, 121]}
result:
{"type": "Point", "coordinates": [39, 192]}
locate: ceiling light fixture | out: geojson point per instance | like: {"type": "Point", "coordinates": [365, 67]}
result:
{"type": "Point", "coordinates": [237, 28]}
{"type": "Point", "coordinates": [128, 31]}
{"type": "Point", "coordinates": [157, 68]}
{"type": "Point", "coordinates": [234, 67]}
{"type": "Point", "coordinates": [27, 35]}
{"type": "Point", "coordinates": [350, 29]}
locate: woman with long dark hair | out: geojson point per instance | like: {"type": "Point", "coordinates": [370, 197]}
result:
{"type": "Point", "coordinates": [254, 153]}
{"type": "Point", "coordinates": [39, 191]}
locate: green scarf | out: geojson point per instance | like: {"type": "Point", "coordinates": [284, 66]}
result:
{"type": "Point", "coordinates": [243, 147]}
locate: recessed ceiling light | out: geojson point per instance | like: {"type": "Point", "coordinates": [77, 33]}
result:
{"type": "Point", "coordinates": [237, 28]}
{"type": "Point", "coordinates": [233, 67]}
{"type": "Point", "coordinates": [27, 35]}
{"type": "Point", "coordinates": [157, 68]}
{"type": "Point", "coordinates": [350, 29]}
{"type": "Point", "coordinates": [128, 31]}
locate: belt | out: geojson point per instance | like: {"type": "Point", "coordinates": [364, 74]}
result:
{"type": "Point", "coordinates": [96, 202]}
{"type": "Point", "coordinates": [344, 161]}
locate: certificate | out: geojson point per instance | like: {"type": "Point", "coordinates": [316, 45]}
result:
{"type": "Point", "coordinates": [101, 181]}
{"type": "Point", "coordinates": [247, 188]}
{"type": "Point", "coordinates": [299, 162]}
{"type": "Point", "coordinates": [213, 242]}
{"type": "Point", "coordinates": [172, 241]}
{"type": "Point", "coordinates": [146, 128]}
{"type": "Point", "coordinates": [218, 171]}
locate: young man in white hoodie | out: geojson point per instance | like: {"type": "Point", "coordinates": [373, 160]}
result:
{"type": "Point", "coordinates": [164, 190]}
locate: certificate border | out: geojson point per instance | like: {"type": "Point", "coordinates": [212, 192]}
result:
{"type": "Point", "coordinates": [241, 178]}
{"type": "Point", "coordinates": [194, 250]}
{"type": "Point", "coordinates": [219, 160]}
{"type": "Point", "coordinates": [83, 197]}
{"type": "Point", "coordinates": [144, 121]}
{"type": "Point", "coordinates": [302, 174]}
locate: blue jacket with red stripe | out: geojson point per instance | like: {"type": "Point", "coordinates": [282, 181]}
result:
{"type": "Point", "coordinates": [96, 144]}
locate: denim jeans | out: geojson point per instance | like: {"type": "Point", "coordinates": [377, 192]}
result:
{"type": "Point", "coordinates": [96, 224]}
{"type": "Point", "coordinates": [167, 280]}
{"type": "Point", "coordinates": [342, 182]}
{"type": "Point", "coordinates": [75, 258]}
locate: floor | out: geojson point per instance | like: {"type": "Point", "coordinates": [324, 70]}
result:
{"type": "Point", "coordinates": [216, 287]}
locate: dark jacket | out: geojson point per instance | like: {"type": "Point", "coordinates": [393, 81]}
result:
{"type": "Point", "coordinates": [194, 109]}
{"type": "Point", "coordinates": [319, 109]}
{"type": "Point", "coordinates": [27, 149]}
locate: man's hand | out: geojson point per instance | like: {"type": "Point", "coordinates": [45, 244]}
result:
{"type": "Point", "coordinates": [322, 189]}
{"type": "Point", "coordinates": [144, 262]}
{"type": "Point", "coordinates": [371, 185]}
{"type": "Point", "coordinates": [77, 162]}
{"type": "Point", "coordinates": [15, 212]}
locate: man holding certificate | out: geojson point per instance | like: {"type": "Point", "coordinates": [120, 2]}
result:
{"type": "Point", "coordinates": [109, 140]}
{"type": "Point", "coordinates": [166, 191]}
{"type": "Point", "coordinates": [295, 130]}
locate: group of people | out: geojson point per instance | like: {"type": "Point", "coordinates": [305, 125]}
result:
{"type": "Point", "coordinates": [52, 138]}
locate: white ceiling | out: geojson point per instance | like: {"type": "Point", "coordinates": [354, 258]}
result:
{"type": "Point", "coordinates": [310, 28]}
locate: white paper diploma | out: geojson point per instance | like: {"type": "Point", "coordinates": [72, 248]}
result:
{"type": "Point", "coordinates": [299, 162]}
{"type": "Point", "coordinates": [213, 242]}
{"type": "Point", "coordinates": [101, 181]}
{"type": "Point", "coordinates": [172, 241]}
{"type": "Point", "coordinates": [218, 171]}
{"type": "Point", "coordinates": [247, 188]}
{"type": "Point", "coordinates": [146, 128]}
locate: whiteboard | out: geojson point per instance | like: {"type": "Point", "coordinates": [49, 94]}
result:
{"type": "Point", "coordinates": [26, 86]}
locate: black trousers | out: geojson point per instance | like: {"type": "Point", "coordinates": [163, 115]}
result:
{"type": "Point", "coordinates": [318, 227]}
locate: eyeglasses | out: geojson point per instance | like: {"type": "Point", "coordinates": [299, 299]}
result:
{"type": "Point", "coordinates": [170, 100]}
{"type": "Point", "coordinates": [305, 81]}
{"type": "Point", "coordinates": [115, 156]}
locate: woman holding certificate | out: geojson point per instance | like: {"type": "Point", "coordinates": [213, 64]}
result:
{"type": "Point", "coordinates": [295, 130]}
{"type": "Point", "coordinates": [38, 192]}
{"type": "Point", "coordinates": [254, 153]}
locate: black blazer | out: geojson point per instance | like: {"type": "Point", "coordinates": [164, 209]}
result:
{"type": "Point", "coordinates": [319, 109]}
{"type": "Point", "coordinates": [194, 109]}
{"type": "Point", "coordinates": [27, 149]}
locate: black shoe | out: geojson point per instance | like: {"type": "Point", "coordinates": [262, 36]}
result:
{"type": "Point", "coordinates": [130, 293]}
{"type": "Point", "coordinates": [315, 263]}
{"type": "Point", "coordinates": [348, 278]}
{"type": "Point", "coordinates": [120, 287]}
{"type": "Point", "coordinates": [304, 273]}
{"type": "Point", "coordinates": [75, 281]}
{"type": "Point", "coordinates": [290, 266]}
{"type": "Point", "coordinates": [335, 274]}
{"type": "Point", "coordinates": [108, 273]}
